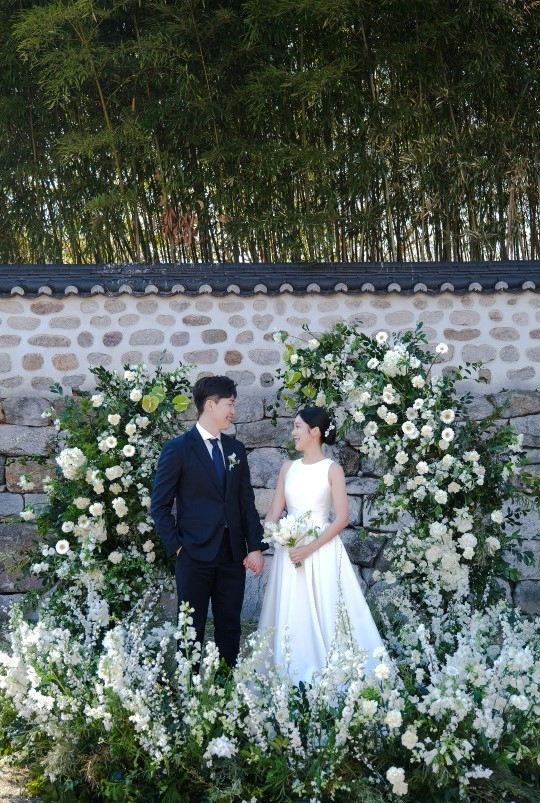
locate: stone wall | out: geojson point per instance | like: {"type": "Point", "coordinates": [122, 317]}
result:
{"type": "Point", "coordinates": [23, 437]}
{"type": "Point", "coordinates": [46, 339]}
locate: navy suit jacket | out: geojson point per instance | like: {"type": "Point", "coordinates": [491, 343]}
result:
{"type": "Point", "coordinates": [186, 475]}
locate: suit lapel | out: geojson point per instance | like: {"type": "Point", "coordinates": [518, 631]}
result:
{"type": "Point", "coordinates": [228, 449]}
{"type": "Point", "coordinates": [201, 450]}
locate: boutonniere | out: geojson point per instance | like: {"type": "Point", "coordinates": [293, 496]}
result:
{"type": "Point", "coordinates": [233, 460]}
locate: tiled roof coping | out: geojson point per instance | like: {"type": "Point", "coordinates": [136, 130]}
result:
{"type": "Point", "coordinates": [271, 278]}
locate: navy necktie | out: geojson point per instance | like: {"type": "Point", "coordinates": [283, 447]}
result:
{"type": "Point", "coordinates": [219, 465]}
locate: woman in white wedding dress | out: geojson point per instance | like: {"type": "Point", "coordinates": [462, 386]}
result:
{"type": "Point", "coordinates": [303, 602]}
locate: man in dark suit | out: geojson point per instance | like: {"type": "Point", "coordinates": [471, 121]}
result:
{"type": "Point", "coordinates": [217, 532]}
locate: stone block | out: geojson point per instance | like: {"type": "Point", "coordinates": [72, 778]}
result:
{"type": "Point", "coordinates": [521, 374]}
{"type": "Point", "coordinates": [233, 357]}
{"type": "Point", "coordinates": [17, 440]}
{"type": "Point", "coordinates": [201, 356]}
{"type": "Point", "coordinates": [527, 596]}
{"type": "Point", "coordinates": [10, 504]}
{"type": "Point", "coordinates": [147, 337]}
{"type": "Point", "coordinates": [362, 486]}
{"type": "Point", "coordinates": [349, 459]}
{"type": "Point", "coordinates": [265, 464]}
{"type": "Point", "coordinates": [355, 511]}
{"type": "Point", "coordinates": [35, 471]}
{"type": "Point", "coordinates": [368, 517]}
{"type": "Point", "coordinates": [25, 410]}
{"type": "Point", "coordinates": [242, 378]}
{"type": "Point", "coordinates": [362, 551]}
{"type": "Point", "coordinates": [262, 433]}
{"type": "Point", "coordinates": [263, 499]}
{"type": "Point", "coordinates": [461, 334]}
{"type": "Point", "coordinates": [15, 538]}
{"type": "Point", "coordinates": [520, 403]}
{"type": "Point", "coordinates": [36, 500]}
{"type": "Point", "coordinates": [528, 425]}
{"type": "Point", "coordinates": [254, 594]}
{"type": "Point", "coordinates": [480, 407]}
{"type": "Point", "coordinates": [248, 409]}
{"type": "Point", "coordinates": [528, 572]}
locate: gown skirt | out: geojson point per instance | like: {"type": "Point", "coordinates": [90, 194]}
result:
{"type": "Point", "coordinates": [302, 603]}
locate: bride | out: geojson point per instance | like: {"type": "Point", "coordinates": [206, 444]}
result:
{"type": "Point", "coordinates": [302, 603]}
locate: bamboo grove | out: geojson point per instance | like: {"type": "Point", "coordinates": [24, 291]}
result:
{"type": "Point", "coordinates": [243, 130]}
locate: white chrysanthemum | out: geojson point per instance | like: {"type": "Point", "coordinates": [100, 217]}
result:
{"type": "Point", "coordinates": [409, 739]}
{"type": "Point", "coordinates": [129, 376]}
{"type": "Point", "coordinates": [135, 395]}
{"type": "Point", "coordinates": [372, 363]}
{"type": "Point", "coordinates": [359, 416]}
{"type": "Point", "coordinates": [422, 467]}
{"type": "Point", "coordinates": [454, 487]}
{"type": "Point", "coordinates": [111, 442]}
{"type": "Point", "coordinates": [448, 434]}
{"type": "Point", "coordinates": [369, 707]}
{"type": "Point", "coordinates": [370, 428]}
{"type": "Point", "coordinates": [409, 429]}
{"type": "Point", "coordinates": [81, 502]}
{"type": "Point", "coordinates": [122, 528]}
{"type": "Point", "coordinates": [128, 450]}
{"type": "Point", "coordinates": [27, 514]}
{"type": "Point", "coordinates": [381, 671]}
{"type": "Point", "coordinates": [402, 458]}
{"type": "Point", "coordinates": [388, 479]}
{"type": "Point", "coordinates": [426, 431]}
{"type": "Point", "coordinates": [381, 337]}
{"type": "Point", "coordinates": [441, 348]}
{"type": "Point", "coordinates": [96, 509]}
{"type": "Point", "coordinates": [68, 527]}
{"type": "Point", "coordinates": [408, 567]}
{"type": "Point", "coordinates": [391, 419]}
{"type": "Point", "coordinates": [471, 457]}
{"type": "Point", "coordinates": [114, 472]}
{"type": "Point", "coordinates": [447, 416]}
{"type": "Point", "coordinates": [418, 382]}
{"type": "Point", "coordinates": [142, 421]}
{"type": "Point", "coordinates": [62, 547]}
{"type": "Point", "coordinates": [115, 557]}
{"type": "Point", "coordinates": [313, 343]}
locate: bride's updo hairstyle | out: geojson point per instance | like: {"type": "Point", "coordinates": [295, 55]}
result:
{"type": "Point", "coordinates": [318, 417]}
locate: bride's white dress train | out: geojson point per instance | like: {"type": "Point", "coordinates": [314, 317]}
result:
{"type": "Point", "coordinates": [304, 601]}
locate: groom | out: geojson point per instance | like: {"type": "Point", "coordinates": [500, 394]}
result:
{"type": "Point", "coordinates": [217, 532]}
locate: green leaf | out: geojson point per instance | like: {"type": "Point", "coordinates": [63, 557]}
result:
{"type": "Point", "coordinates": [309, 391]}
{"type": "Point", "coordinates": [292, 378]}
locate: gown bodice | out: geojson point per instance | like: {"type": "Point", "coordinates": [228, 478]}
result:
{"type": "Point", "coordinates": [307, 489]}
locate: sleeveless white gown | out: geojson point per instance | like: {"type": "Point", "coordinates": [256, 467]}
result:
{"type": "Point", "coordinates": [304, 601]}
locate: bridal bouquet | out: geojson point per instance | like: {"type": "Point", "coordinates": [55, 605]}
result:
{"type": "Point", "coordinates": [292, 531]}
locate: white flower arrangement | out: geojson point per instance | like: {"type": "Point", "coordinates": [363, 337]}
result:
{"type": "Point", "coordinates": [291, 531]}
{"type": "Point", "coordinates": [232, 461]}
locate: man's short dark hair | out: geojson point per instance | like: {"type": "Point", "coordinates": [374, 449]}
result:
{"type": "Point", "coordinates": [212, 387]}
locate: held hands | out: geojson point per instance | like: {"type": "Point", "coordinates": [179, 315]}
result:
{"type": "Point", "coordinates": [255, 562]}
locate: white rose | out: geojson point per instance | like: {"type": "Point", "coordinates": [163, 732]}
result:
{"type": "Point", "coordinates": [122, 528]}
{"type": "Point", "coordinates": [115, 557]}
{"type": "Point", "coordinates": [454, 487]}
{"type": "Point", "coordinates": [96, 509]}
{"type": "Point", "coordinates": [81, 502]}
{"type": "Point", "coordinates": [409, 429]}
{"type": "Point", "coordinates": [418, 382]}
{"type": "Point", "coordinates": [497, 516]}
{"type": "Point", "coordinates": [440, 496]}
{"type": "Point", "coordinates": [293, 359]}
{"type": "Point", "coordinates": [391, 418]}
{"type": "Point", "coordinates": [371, 428]}
{"type": "Point", "coordinates": [468, 553]}
{"type": "Point", "coordinates": [422, 467]}
{"type": "Point", "coordinates": [471, 457]}
{"type": "Point", "coordinates": [493, 544]}
{"type": "Point", "coordinates": [313, 343]}
{"type": "Point", "coordinates": [402, 458]}
{"type": "Point", "coordinates": [369, 707]}
{"type": "Point", "coordinates": [408, 567]}
{"type": "Point", "coordinates": [135, 395]}
{"type": "Point", "coordinates": [388, 479]}
{"type": "Point", "coordinates": [426, 431]}
{"type": "Point", "coordinates": [381, 672]}
{"type": "Point", "coordinates": [27, 515]}
{"type": "Point", "coordinates": [372, 363]}
{"type": "Point", "coordinates": [97, 400]}
{"type": "Point", "coordinates": [359, 416]}
{"type": "Point", "coordinates": [130, 429]}
{"type": "Point", "coordinates": [113, 419]}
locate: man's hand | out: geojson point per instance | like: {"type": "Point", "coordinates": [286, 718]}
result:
{"type": "Point", "coordinates": [255, 562]}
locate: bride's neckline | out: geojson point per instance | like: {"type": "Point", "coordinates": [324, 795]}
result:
{"type": "Point", "coordinates": [314, 463]}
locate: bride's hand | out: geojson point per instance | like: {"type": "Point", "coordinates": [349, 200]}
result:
{"type": "Point", "coordinates": [298, 554]}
